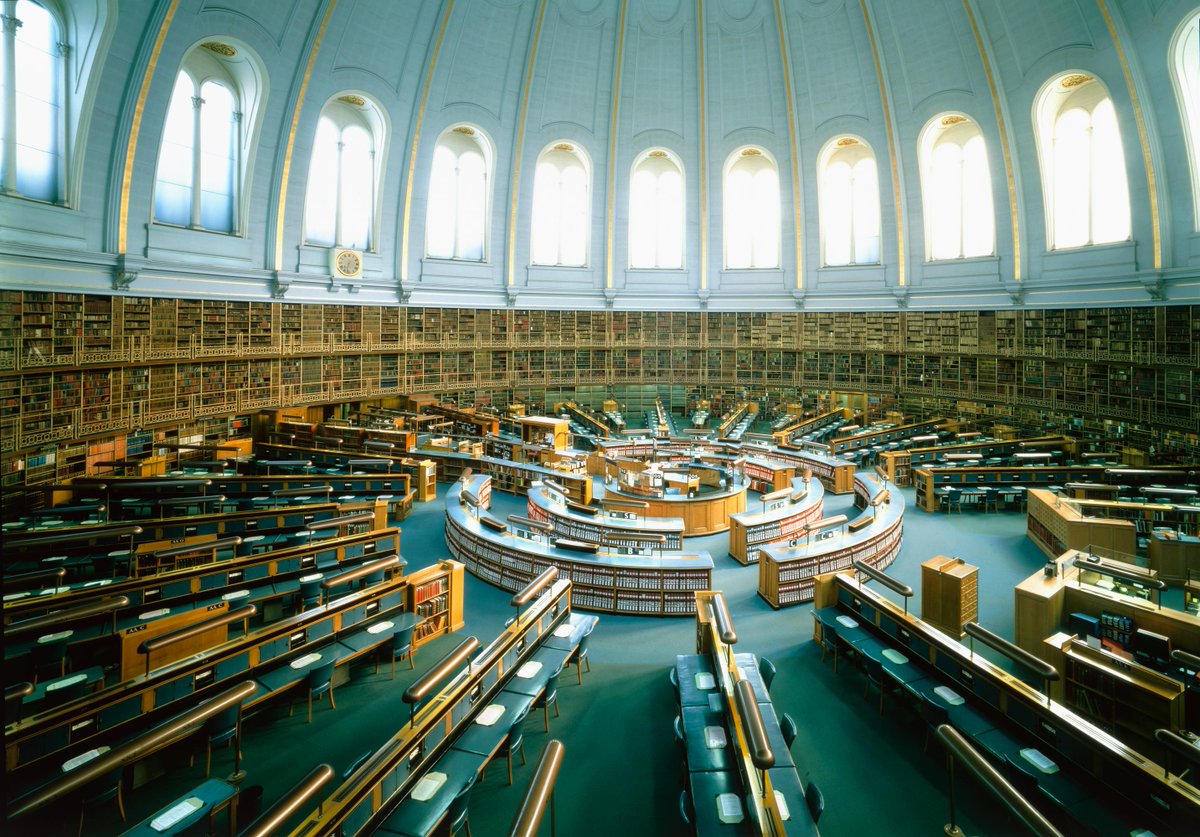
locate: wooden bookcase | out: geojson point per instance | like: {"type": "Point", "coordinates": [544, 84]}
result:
{"type": "Point", "coordinates": [1118, 695]}
{"type": "Point", "coordinates": [435, 595]}
{"type": "Point", "coordinates": [949, 594]}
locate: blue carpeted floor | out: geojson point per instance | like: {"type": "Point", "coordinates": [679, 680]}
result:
{"type": "Point", "coordinates": [622, 772]}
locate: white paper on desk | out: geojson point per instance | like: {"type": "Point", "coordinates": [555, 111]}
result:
{"type": "Point", "coordinates": [176, 813]}
{"type": "Point", "coordinates": [301, 662]}
{"type": "Point", "coordinates": [14, 596]}
{"type": "Point", "coordinates": [84, 758]}
{"type": "Point", "coordinates": [68, 681]}
{"type": "Point", "coordinates": [529, 669]}
{"type": "Point", "coordinates": [705, 681]}
{"type": "Point", "coordinates": [895, 656]}
{"type": "Point", "coordinates": [490, 714]}
{"type": "Point", "coordinates": [714, 738]}
{"type": "Point", "coordinates": [1039, 760]}
{"type": "Point", "coordinates": [313, 577]}
{"type": "Point", "coordinates": [55, 637]}
{"type": "Point", "coordinates": [847, 621]}
{"type": "Point", "coordinates": [714, 702]}
{"type": "Point", "coordinates": [154, 614]}
{"type": "Point", "coordinates": [380, 627]}
{"type": "Point", "coordinates": [429, 785]}
{"type": "Point", "coordinates": [563, 631]}
{"type": "Point", "coordinates": [729, 808]}
{"type": "Point", "coordinates": [781, 804]}
{"type": "Point", "coordinates": [236, 594]}
{"type": "Point", "coordinates": [949, 695]}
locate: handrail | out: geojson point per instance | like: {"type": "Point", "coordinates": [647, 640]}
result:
{"type": "Point", "coordinates": [468, 495]}
{"type": "Point", "coordinates": [424, 684]}
{"type": "Point", "coordinates": [61, 617]}
{"type": "Point", "coordinates": [167, 640]}
{"type": "Point", "coordinates": [540, 792]}
{"type": "Point", "coordinates": [1176, 743]}
{"type": "Point", "coordinates": [1125, 572]}
{"type": "Point", "coordinates": [723, 621]}
{"type": "Point", "coordinates": [747, 708]}
{"type": "Point", "coordinates": [365, 462]}
{"type": "Point", "coordinates": [302, 792]}
{"type": "Point", "coordinates": [71, 783]}
{"type": "Point", "coordinates": [826, 522]}
{"type": "Point", "coordinates": [17, 692]}
{"type": "Point", "coordinates": [527, 593]}
{"type": "Point", "coordinates": [361, 572]}
{"type": "Point", "coordinates": [776, 495]}
{"type": "Point", "coordinates": [336, 522]}
{"type": "Point", "coordinates": [36, 578]}
{"type": "Point", "coordinates": [31, 540]}
{"type": "Point", "coordinates": [186, 446]}
{"type": "Point", "coordinates": [616, 536]}
{"type": "Point", "coordinates": [962, 751]}
{"type": "Point", "coordinates": [201, 546]}
{"type": "Point", "coordinates": [1186, 657]}
{"type": "Point", "coordinates": [1013, 652]}
{"type": "Point", "coordinates": [898, 587]}
{"type": "Point", "coordinates": [529, 524]}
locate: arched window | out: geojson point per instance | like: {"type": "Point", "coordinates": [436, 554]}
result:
{"type": "Point", "coordinates": [656, 212]}
{"type": "Point", "coordinates": [456, 222]}
{"type": "Point", "coordinates": [200, 162]}
{"type": "Point", "coordinates": [1083, 164]}
{"type": "Point", "coordinates": [957, 188]}
{"type": "Point", "coordinates": [561, 207]}
{"type": "Point", "coordinates": [751, 210]}
{"type": "Point", "coordinates": [849, 192]}
{"type": "Point", "coordinates": [1185, 70]}
{"type": "Point", "coordinates": [343, 175]}
{"type": "Point", "coordinates": [31, 111]}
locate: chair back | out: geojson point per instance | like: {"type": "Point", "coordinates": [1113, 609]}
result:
{"type": "Point", "coordinates": [767, 670]}
{"type": "Point", "coordinates": [402, 640]}
{"type": "Point", "coordinates": [686, 812]}
{"type": "Point", "coordinates": [933, 714]}
{"type": "Point", "coordinates": [551, 692]}
{"type": "Point", "coordinates": [44, 653]}
{"type": "Point", "coordinates": [222, 726]}
{"type": "Point", "coordinates": [815, 801]}
{"type": "Point", "coordinates": [787, 726]}
{"type": "Point", "coordinates": [310, 591]}
{"type": "Point", "coordinates": [320, 677]}
{"type": "Point", "coordinates": [829, 635]}
{"type": "Point", "coordinates": [457, 814]}
{"type": "Point", "coordinates": [104, 788]}
{"type": "Point", "coordinates": [516, 731]}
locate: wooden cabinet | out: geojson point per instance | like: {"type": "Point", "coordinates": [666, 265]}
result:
{"type": "Point", "coordinates": [949, 594]}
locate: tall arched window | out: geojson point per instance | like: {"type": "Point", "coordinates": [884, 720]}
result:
{"type": "Point", "coordinates": [751, 210]}
{"type": "Point", "coordinates": [656, 212]}
{"type": "Point", "coordinates": [200, 171]}
{"type": "Point", "coordinates": [343, 174]}
{"type": "Point", "coordinates": [456, 221]}
{"type": "Point", "coordinates": [31, 110]}
{"type": "Point", "coordinates": [957, 189]}
{"type": "Point", "coordinates": [1083, 164]}
{"type": "Point", "coordinates": [561, 207]}
{"type": "Point", "coordinates": [1185, 70]}
{"type": "Point", "coordinates": [849, 192]}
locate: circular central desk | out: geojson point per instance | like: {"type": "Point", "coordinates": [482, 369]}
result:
{"type": "Point", "coordinates": [703, 514]}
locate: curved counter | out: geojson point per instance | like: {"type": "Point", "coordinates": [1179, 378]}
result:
{"type": "Point", "coordinates": [751, 530]}
{"type": "Point", "coordinates": [703, 514]}
{"type": "Point", "coordinates": [602, 581]}
{"type": "Point", "coordinates": [786, 572]}
{"type": "Point", "coordinates": [599, 527]}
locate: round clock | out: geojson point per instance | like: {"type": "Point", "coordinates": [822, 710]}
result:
{"type": "Point", "coordinates": [348, 263]}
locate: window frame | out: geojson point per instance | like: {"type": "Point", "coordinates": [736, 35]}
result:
{"type": "Point", "coordinates": [344, 111]}
{"type": "Point", "coordinates": [958, 129]}
{"type": "Point", "coordinates": [845, 145]}
{"type": "Point", "coordinates": [583, 159]}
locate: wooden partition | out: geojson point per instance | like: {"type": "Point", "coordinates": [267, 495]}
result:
{"type": "Point", "coordinates": [787, 520]}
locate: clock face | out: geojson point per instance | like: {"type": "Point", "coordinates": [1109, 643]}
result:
{"type": "Point", "coordinates": [348, 263]}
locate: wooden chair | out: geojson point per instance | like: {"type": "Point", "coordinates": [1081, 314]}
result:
{"type": "Point", "coordinates": [219, 729]}
{"type": "Point", "coordinates": [318, 682]}
{"type": "Point", "coordinates": [105, 789]}
{"type": "Point", "coordinates": [580, 657]}
{"type": "Point", "coordinates": [513, 742]}
{"type": "Point", "coordinates": [402, 646]}
{"type": "Point", "coordinates": [549, 697]}
{"type": "Point", "coordinates": [787, 726]}
{"type": "Point", "coordinates": [457, 816]}
{"type": "Point", "coordinates": [815, 801]}
{"type": "Point", "coordinates": [767, 671]}
{"type": "Point", "coordinates": [686, 812]}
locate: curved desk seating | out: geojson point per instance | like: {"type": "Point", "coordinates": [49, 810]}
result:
{"type": "Point", "coordinates": [603, 581]}
{"type": "Point", "coordinates": [751, 529]}
{"type": "Point", "coordinates": [594, 526]}
{"type": "Point", "coordinates": [786, 571]}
